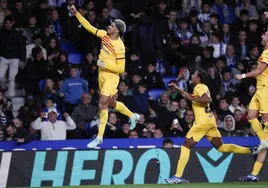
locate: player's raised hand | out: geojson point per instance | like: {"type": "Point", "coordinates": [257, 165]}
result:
{"type": "Point", "coordinates": [239, 76]}
{"type": "Point", "coordinates": [73, 9]}
{"type": "Point", "coordinates": [266, 14]}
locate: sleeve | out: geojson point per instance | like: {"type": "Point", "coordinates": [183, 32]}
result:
{"type": "Point", "coordinates": [201, 90]}
{"type": "Point", "coordinates": [255, 14]}
{"type": "Point", "coordinates": [22, 44]}
{"type": "Point", "coordinates": [69, 124]}
{"type": "Point", "coordinates": [89, 27]}
{"type": "Point", "coordinates": [265, 57]}
{"type": "Point", "coordinates": [37, 124]}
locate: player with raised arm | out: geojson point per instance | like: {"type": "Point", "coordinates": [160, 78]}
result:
{"type": "Point", "coordinates": [111, 63]}
{"type": "Point", "coordinates": [204, 125]}
{"type": "Point", "coordinates": [259, 106]}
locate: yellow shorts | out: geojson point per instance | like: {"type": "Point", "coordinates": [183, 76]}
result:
{"type": "Point", "coordinates": [206, 127]}
{"type": "Point", "coordinates": [108, 85]}
{"type": "Point", "coordinates": [260, 101]}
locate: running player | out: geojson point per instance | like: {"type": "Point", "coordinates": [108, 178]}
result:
{"type": "Point", "coordinates": [259, 105]}
{"type": "Point", "coordinates": [204, 125]}
{"type": "Point", "coordinates": [111, 62]}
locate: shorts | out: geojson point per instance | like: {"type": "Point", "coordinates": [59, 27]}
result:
{"type": "Point", "coordinates": [108, 85]}
{"type": "Point", "coordinates": [260, 101]}
{"type": "Point", "coordinates": [206, 127]}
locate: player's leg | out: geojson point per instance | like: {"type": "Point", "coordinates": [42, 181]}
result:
{"type": "Point", "coordinates": [103, 115]}
{"type": "Point", "coordinates": [256, 168]}
{"type": "Point", "coordinates": [229, 148]}
{"type": "Point", "coordinates": [120, 107]}
{"type": "Point", "coordinates": [253, 112]}
{"type": "Point", "coordinates": [193, 136]}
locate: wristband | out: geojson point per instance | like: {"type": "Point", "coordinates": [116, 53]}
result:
{"type": "Point", "coordinates": [244, 76]}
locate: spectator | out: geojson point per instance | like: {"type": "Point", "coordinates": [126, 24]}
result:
{"type": "Point", "coordinates": [218, 121]}
{"type": "Point", "coordinates": [226, 33]}
{"type": "Point", "coordinates": [214, 84]}
{"type": "Point", "coordinates": [167, 143]}
{"type": "Point", "coordinates": [3, 121]}
{"type": "Point", "coordinates": [133, 134]}
{"type": "Point", "coordinates": [205, 33]}
{"type": "Point", "coordinates": [164, 99]}
{"type": "Point", "coordinates": [53, 129]}
{"type": "Point", "coordinates": [46, 33]}
{"type": "Point", "coordinates": [188, 5]}
{"type": "Point", "coordinates": [36, 70]}
{"type": "Point", "coordinates": [229, 127]}
{"type": "Point", "coordinates": [73, 89]}
{"type": "Point", "coordinates": [158, 133]}
{"type": "Point", "coordinates": [182, 108]}
{"type": "Point", "coordinates": [84, 112]}
{"type": "Point", "coordinates": [50, 103]}
{"type": "Point", "coordinates": [246, 5]}
{"type": "Point", "coordinates": [41, 11]}
{"type": "Point", "coordinates": [228, 84]}
{"type": "Point", "coordinates": [31, 30]}
{"type": "Point", "coordinates": [218, 45]}
{"type": "Point", "coordinates": [20, 135]}
{"type": "Point", "coordinates": [230, 57]}
{"type": "Point", "coordinates": [241, 46]}
{"type": "Point", "coordinates": [37, 41]}
{"type": "Point", "coordinates": [226, 13]}
{"type": "Point", "coordinates": [140, 98]}
{"type": "Point", "coordinates": [53, 50]}
{"type": "Point", "coordinates": [153, 78]}
{"type": "Point", "coordinates": [149, 129]}
{"type": "Point", "coordinates": [240, 122]}
{"type": "Point", "coordinates": [207, 57]}
{"type": "Point", "coordinates": [20, 14]}
{"type": "Point", "coordinates": [176, 129]}
{"type": "Point", "coordinates": [4, 11]}
{"type": "Point", "coordinates": [183, 33]}
{"type": "Point", "coordinates": [17, 122]}
{"type": "Point", "coordinates": [105, 19]}
{"type": "Point", "coordinates": [124, 132]}
{"type": "Point", "coordinates": [204, 15]}
{"type": "Point", "coordinates": [189, 120]}
{"type": "Point", "coordinates": [29, 111]}
{"type": "Point", "coordinates": [61, 66]}
{"type": "Point", "coordinates": [183, 78]}
{"type": "Point", "coordinates": [242, 23]}
{"type": "Point", "coordinates": [235, 105]}
{"type": "Point", "coordinates": [254, 35]}
{"type": "Point", "coordinates": [224, 109]}
{"type": "Point", "coordinates": [57, 23]}
{"type": "Point", "coordinates": [114, 13]}
{"type": "Point", "coordinates": [12, 51]}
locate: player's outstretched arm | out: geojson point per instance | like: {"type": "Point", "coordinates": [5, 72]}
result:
{"type": "Point", "coordinates": [86, 24]}
{"type": "Point", "coordinates": [261, 67]}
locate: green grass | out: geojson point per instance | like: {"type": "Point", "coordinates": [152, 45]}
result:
{"type": "Point", "coordinates": [191, 185]}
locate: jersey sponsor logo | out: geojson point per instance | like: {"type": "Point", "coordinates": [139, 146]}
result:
{"type": "Point", "coordinates": [215, 166]}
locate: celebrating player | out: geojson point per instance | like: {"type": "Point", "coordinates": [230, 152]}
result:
{"type": "Point", "coordinates": [259, 105]}
{"type": "Point", "coordinates": [204, 125]}
{"type": "Point", "coordinates": [111, 62]}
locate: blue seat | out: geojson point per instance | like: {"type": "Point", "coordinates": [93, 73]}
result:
{"type": "Point", "coordinates": [75, 58]}
{"type": "Point", "coordinates": [42, 84]}
{"type": "Point", "coordinates": [67, 46]}
{"type": "Point", "coordinates": [167, 79]}
{"type": "Point", "coordinates": [174, 70]}
{"type": "Point", "coordinates": [155, 93]}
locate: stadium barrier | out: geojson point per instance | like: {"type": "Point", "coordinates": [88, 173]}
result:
{"type": "Point", "coordinates": [118, 143]}
{"type": "Point", "coordinates": [118, 166]}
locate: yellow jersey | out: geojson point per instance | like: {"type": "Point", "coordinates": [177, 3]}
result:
{"type": "Point", "coordinates": [201, 110]}
{"type": "Point", "coordinates": [112, 52]}
{"type": "Point", "coordinates": [262, 79]}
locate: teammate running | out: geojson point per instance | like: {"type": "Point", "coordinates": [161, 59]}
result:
{"type": "Point", "coordinates": [204, 125]}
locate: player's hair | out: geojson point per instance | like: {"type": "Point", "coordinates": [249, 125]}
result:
{"type": "Point", "coordinates": [203, 76]}
{"type": "Point", "coordinates": [121, 26]}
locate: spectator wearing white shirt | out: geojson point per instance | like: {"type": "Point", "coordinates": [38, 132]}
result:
{"type": "Point", "coordinates": [53, 129]}
{"type": "Point", "coordinates": [217, 44]}
{"type": "Point", "coordinates": [37, 43]}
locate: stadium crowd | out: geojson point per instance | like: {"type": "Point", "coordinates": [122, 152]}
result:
{"type": "Point", "coordinates": [166, 41]}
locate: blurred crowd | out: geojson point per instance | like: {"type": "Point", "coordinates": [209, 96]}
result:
{"type": "Point", "coordinates": [164, 38]}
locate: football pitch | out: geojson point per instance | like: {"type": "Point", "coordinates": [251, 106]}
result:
{"type": "Point", "coordinates": [190, 185]}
